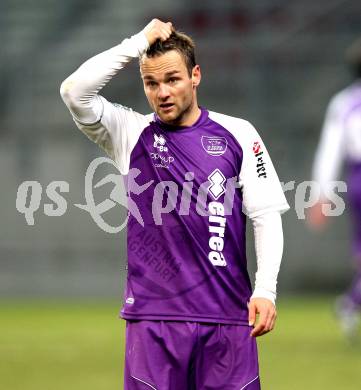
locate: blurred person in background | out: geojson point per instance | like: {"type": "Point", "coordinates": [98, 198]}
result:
{"type": "Point", "coordinates": [340, 143]}
{"type": "Point", "coordinates": [189, 307]}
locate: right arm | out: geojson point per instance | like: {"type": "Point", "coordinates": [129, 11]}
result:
{"type": "Point", "coordinates": [115, 129]}
{"type": "Point", "coordinates": [80, 90]}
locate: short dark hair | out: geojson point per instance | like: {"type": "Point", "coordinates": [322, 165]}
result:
{"type": "Point", "coordinates": [177, 41]}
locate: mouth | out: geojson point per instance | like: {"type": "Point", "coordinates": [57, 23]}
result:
{"type": "Point", "coordinates": [166, 106]}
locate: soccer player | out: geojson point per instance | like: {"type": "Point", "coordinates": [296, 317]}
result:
{"type": "Point", "coordinates": [341, 142]}
{"type": "Point", "coordinates": [191, 316]}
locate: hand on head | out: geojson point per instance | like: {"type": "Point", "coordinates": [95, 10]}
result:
{"type": "Point", "coordinates": [156, 29]}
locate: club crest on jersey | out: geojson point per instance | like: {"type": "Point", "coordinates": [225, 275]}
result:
{"type": "Point", "coordinates": [159, 143]}
{"type": "Point", "coordinates": [258, 153]}
{"type": "Point", "coordinates": [214, 146]}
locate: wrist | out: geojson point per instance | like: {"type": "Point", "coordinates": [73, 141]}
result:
{"type": "Point", "coordinates": [263, 293]}
{"type": "Point", "coordinates": [140, 42]}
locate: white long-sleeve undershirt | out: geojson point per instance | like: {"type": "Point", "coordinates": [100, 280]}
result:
{"type": "Point", "coordinates": [268, 236]}
{"type": "Point", "coordinates": [80, 90]}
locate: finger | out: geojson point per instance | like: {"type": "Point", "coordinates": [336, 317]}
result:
{"type": "Point", "coordinates": [164, 37]}
{"type": "Point", "coordinates": [270, 322]}
{"type": "Point", "coordinates": [268, 326]}
{"type": "Point", "coordinates": [252, 312]}
{"type": "Point", "coordinates": [273, 321]}
{"type": "Point", "coordinates": [258, 330]}
{"type": "Point", "coordinates": [169, 27]}
{"type": "Point", "coordinates": [167, 31]}
{"type": "Point", "coordinates": [161, 35]}
{"type": "Point", "coordinates": [164, 34]}
{"type": "Point", "coordinates": [265, 331]}
{"type": "Point", "coordinates": [261, 325]}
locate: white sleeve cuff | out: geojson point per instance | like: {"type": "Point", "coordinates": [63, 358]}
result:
{"type": "Point", "coordinates": [262, 293]}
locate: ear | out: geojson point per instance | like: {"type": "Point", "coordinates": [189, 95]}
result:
{"type": "Point", "coordinates": [196, 76]}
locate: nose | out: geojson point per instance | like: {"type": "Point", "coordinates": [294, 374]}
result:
{"type": "Point", "coordinates": [163, 92]}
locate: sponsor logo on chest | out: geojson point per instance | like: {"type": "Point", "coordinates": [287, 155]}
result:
{"type": "Point", "coordinates": [160, 157]}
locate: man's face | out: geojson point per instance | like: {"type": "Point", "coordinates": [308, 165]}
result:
{"type": "Point", "coordinates": [170, 91]}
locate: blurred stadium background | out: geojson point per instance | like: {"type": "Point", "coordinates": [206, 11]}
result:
{"type": "Point", "coordinates": [273, 62]}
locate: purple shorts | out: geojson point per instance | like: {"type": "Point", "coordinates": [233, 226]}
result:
{"type": "Point", "coordinates": [170, 355]}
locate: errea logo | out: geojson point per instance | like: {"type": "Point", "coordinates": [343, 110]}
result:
{"type": "Point", "coordinates": [257, 151]}
{"type": "Point", "coordinates": [217, 220]}
{"type": "Point", "coordinates": [216, 187]}
{"type": "Point", "coordinates": [159, 143]}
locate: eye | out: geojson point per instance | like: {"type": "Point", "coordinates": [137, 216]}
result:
{"type": "Point", "coordinates": [172, 80]}
{"type": "Point", "coordinates": [150, 83]}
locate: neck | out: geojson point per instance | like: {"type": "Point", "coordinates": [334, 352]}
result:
{"type": "Point", "coordinates": [191, 116]}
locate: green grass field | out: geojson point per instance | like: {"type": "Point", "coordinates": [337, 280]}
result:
{"type": "Point", "coordinates": [76, 346]}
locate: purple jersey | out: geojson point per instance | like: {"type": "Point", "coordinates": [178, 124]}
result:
{"type": "Point", "coordinates": [189, 192]}
{"type": "Point", "coordinates": [186, 246]}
